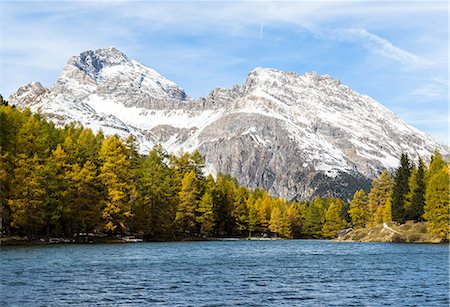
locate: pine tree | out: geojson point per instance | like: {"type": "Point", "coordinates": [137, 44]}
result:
{"type": "Point", "coordinates": [115, 175]}
{"type": "Point", "coordinates": [415, 199]}
{"type": "Point", "coordinates": [333, 221]}
{"type": "Point", "coordinates": [205, 215]}
{"type": "Point", "coordinates": [378, 195]}
{"type": "Point", "coordinates": [189, 200]}
{"type": "Point", "coordinates": [400, 189]}
{"type": "Point", "coordinates": [359, 210]}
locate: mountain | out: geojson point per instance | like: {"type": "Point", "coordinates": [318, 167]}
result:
{"type": "Point", "coordinates": [294, 135]}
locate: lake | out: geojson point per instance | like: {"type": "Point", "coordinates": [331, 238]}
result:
{"type": "Point", "coordinates": [226, 273]}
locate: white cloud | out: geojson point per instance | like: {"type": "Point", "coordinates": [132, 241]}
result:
{"type": "Point", "coordinates": [378, 45]}
{"type": "Point", "coordinates": [428, 92]}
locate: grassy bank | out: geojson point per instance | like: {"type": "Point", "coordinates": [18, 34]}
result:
{"type": "Point", "coordinates": [411, 232]}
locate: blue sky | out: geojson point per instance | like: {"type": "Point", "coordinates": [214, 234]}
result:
{"type": "Point", "coordinates": [395, 52]}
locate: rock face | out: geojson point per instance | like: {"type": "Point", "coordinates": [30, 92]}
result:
{"type": "Point", "coordinates": [295, 135]}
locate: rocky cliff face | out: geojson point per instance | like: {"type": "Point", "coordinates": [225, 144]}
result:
{"type": "Point", "coordinates": [294, 135]}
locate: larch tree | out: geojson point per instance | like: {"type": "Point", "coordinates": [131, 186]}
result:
{"type": "Point", "coordinates": [157, 196]}
{"type": "Point", "coordinates": [264, 208]}
{"type": "Point", "coordinates": [253, 221]}
{"type": "Point", "coordinates": [56, 210]}
{"type": "Point", "coordinates": [32, 139]}
{"type": "Point", "coordinates": [436, 209]}
{"type": "Point", "coordinates": [240, 210]}
{"type": "Point", "coordinates": [294, 219]}
{"type": "Point", "coordinates": [189, 196]}
{"type": "Point", "coordinates": [28, 195]}
{"type": "Point", "coordinates": [278, 223]}
{"type": "Point", "coordinates": [205, 215]}
{"type": "Point", "coordinates": [314, 218]}
{"type": "Point", "coordinates": [359, 209]}
{"type": "Point", "coordinates": [84, 196]}
{"type": "Point", "coordinates": [378, 195]}
{"type": "Point", "coordinates": [333, 220]}
{"type": "Point", "coordinates": [115, 174]}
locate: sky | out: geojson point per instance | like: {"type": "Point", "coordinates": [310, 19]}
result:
{"type": "Point", "coordinates": [395, 52]}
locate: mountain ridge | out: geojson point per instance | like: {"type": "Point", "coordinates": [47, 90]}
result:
{"type": "Point", "coordinates": [294, 135]}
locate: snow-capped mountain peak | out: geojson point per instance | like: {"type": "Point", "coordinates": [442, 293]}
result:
{"type": "Point", "coordinates": [294, 135]}
{"type": "Point", "coordinates": [92, 62]}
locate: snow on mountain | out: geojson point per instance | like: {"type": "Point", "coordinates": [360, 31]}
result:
{"type": "Point", "coordinates": [295, 135]}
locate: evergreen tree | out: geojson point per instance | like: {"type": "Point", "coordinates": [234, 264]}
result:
{"type": "Point", "coordinates": [400, 189]}
{"type": "Point", "coordinates": [378, 195]}
{"type": "Point", "coordinates": [415, 199]}
{"type": "Point", "coordinates": [333, 221]}
{"type": "Point", "coordinates": [359, 210]}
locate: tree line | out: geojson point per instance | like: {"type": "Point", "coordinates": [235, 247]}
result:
{"type": "Point", "coordinates": [70, 181]}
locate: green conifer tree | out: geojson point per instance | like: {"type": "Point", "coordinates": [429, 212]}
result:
{"type": "Point", "coordinates": [400, 189]}
{"type": "Point", "coordinates": [415, 199]}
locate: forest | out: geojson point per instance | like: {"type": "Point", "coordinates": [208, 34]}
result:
{"type": "Point", "coordinates": [65, 182]}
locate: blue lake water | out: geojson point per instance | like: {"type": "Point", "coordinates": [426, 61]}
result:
{"type": "Point", "coordinates": [222, 273]}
